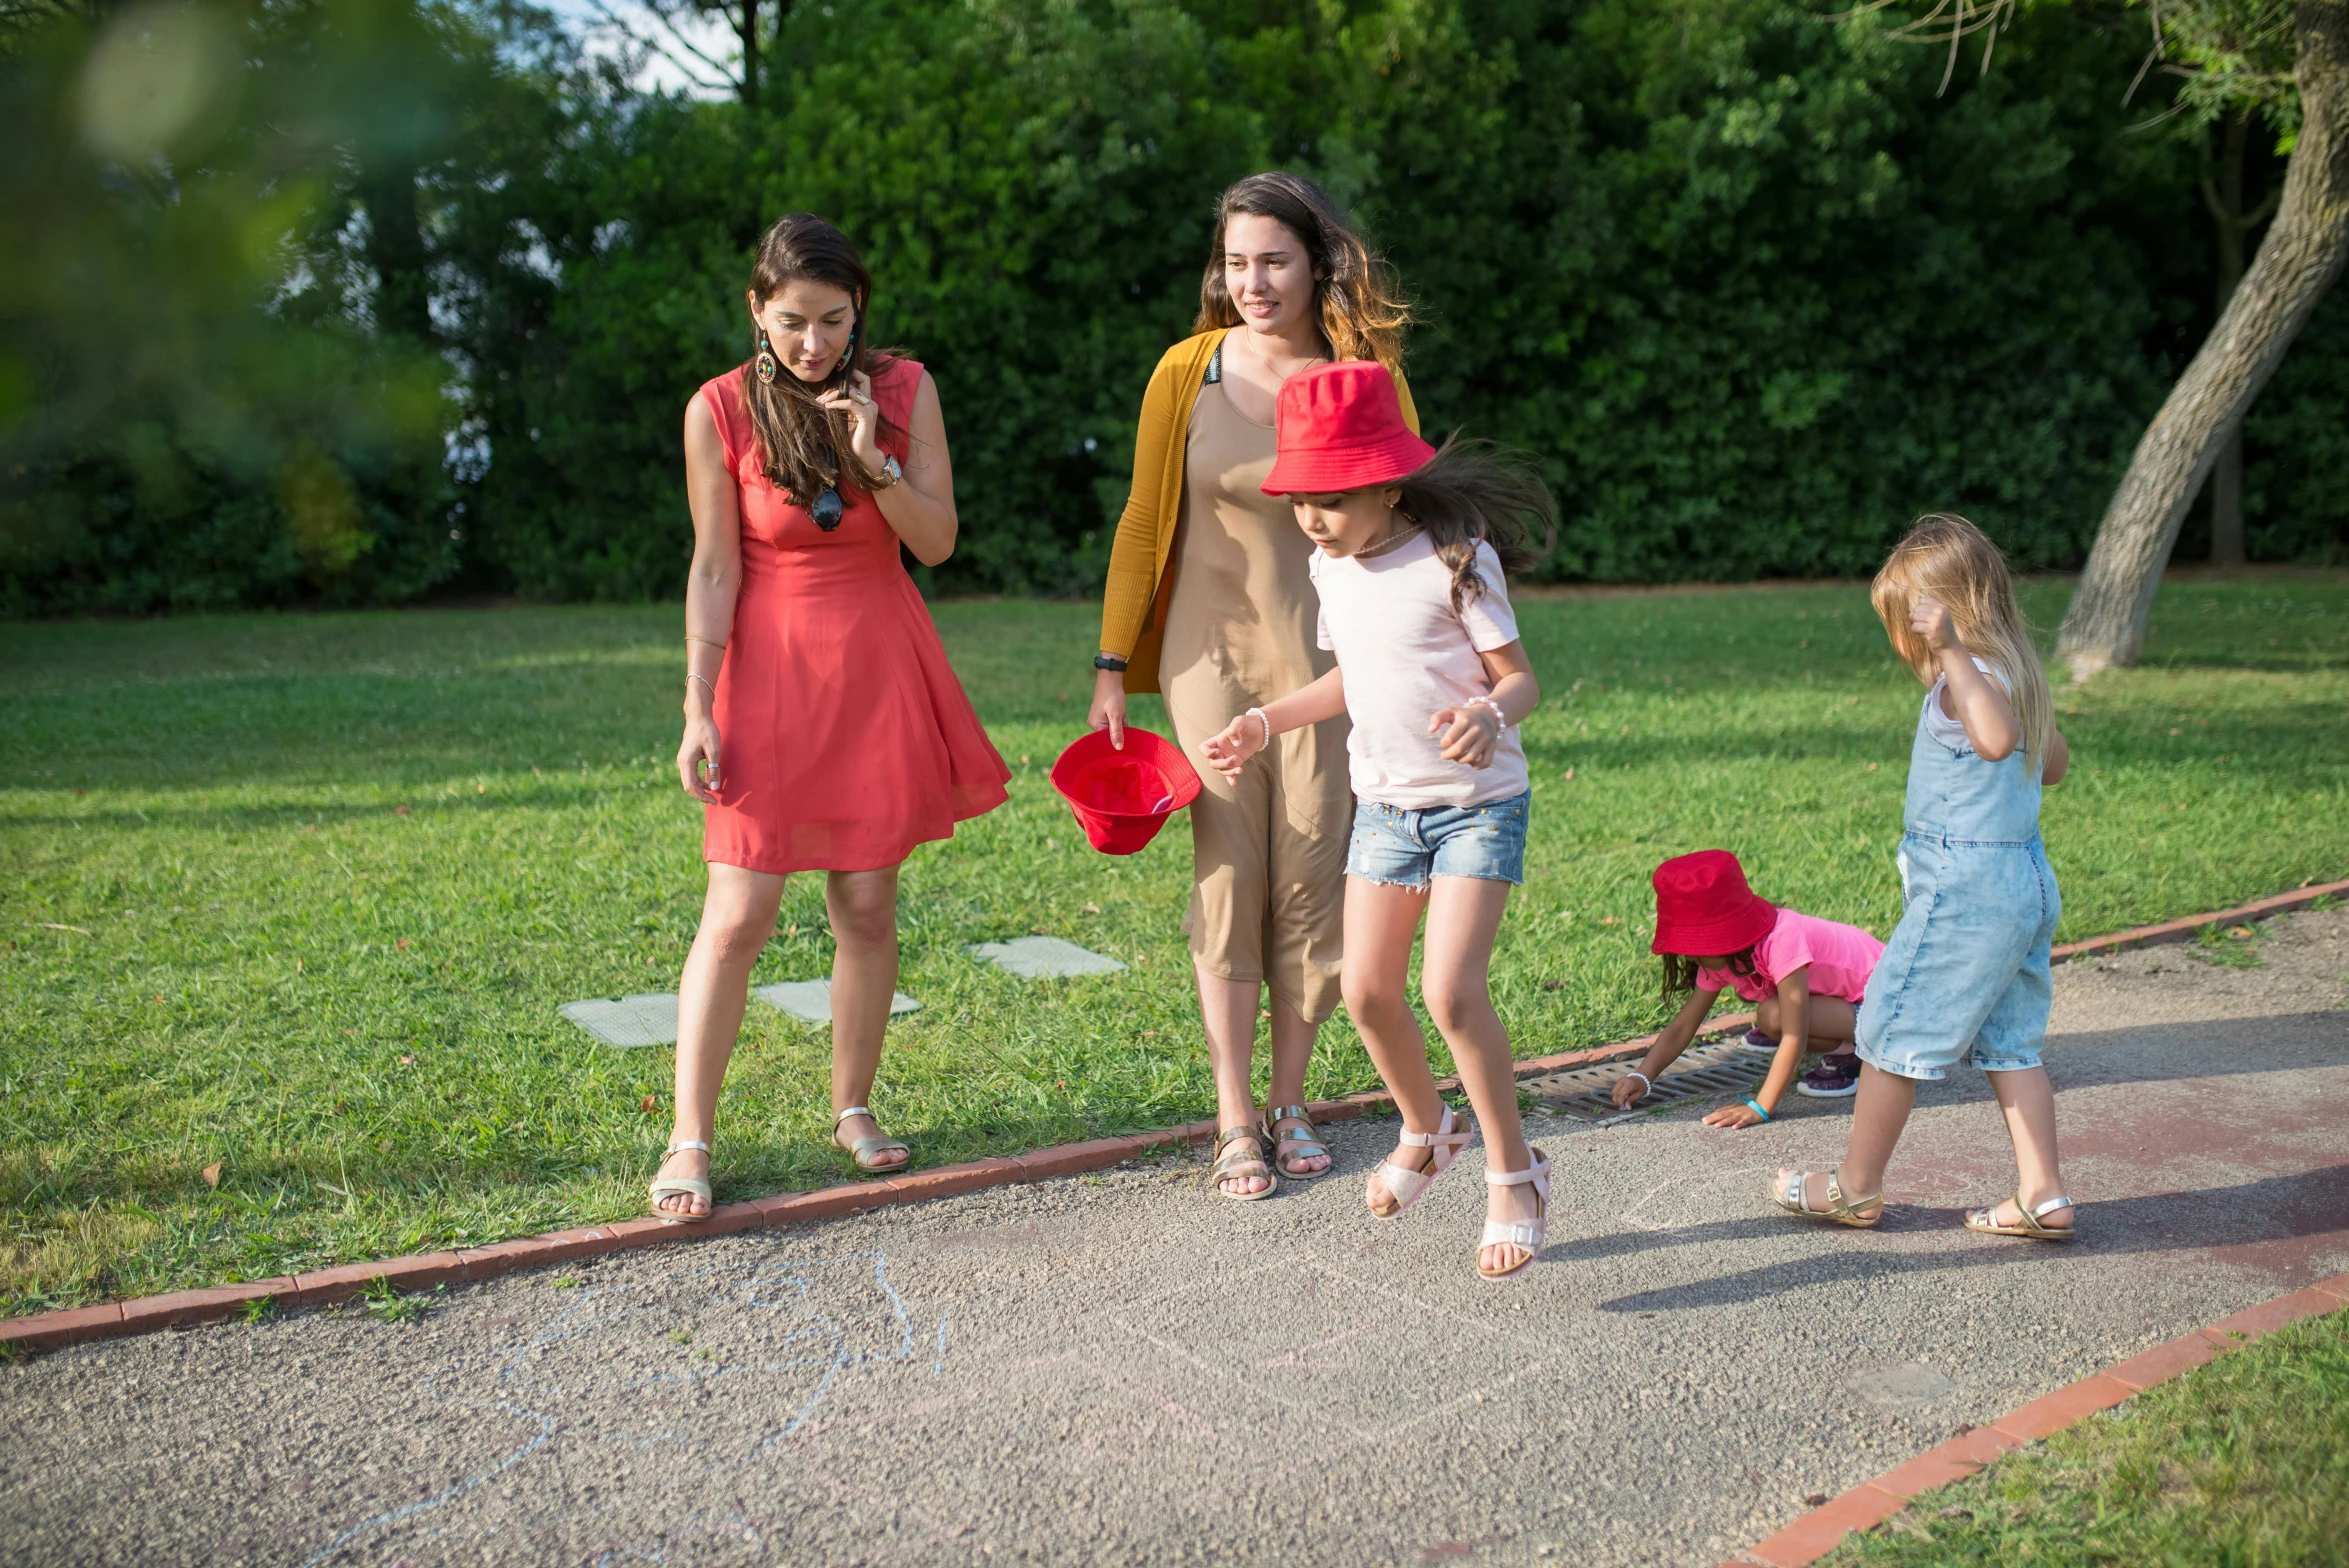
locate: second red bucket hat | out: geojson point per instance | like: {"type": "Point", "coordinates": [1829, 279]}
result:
{"type": "Point", "coordinates": [1341, 428]}
{"type": "Point", "coordinates": [1122, 798]}
{"type": "Point", "coordinates": [1705, 910]}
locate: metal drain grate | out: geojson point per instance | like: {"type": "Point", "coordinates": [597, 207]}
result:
{"type": "Point", "coordinates": [1728, 1066]}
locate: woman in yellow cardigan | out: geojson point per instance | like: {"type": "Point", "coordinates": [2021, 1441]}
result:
{"type": "Point", "coordinates": [1208, 600]}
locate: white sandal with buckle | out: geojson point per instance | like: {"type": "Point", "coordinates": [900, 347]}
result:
{"type": "Point", "coordinates": [696, 1186]}
{"type": "Point", "coordinates": [1405, 1186]}
{"type": "Point", "coordinates": [1527, 1235]}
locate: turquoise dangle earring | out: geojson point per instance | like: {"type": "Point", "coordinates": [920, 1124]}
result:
{"type": "Point", "coordinates": [848, 354]}
{"type": "Point", "coordinates": [764, 366]}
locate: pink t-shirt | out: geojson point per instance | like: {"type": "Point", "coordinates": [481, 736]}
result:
{"type": "Point", "coordinates": [1841, 959]}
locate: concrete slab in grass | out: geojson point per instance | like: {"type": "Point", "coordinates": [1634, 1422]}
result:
{"type": "Point", "coordinates": [627, 1021]}
{"type": "Point", "coordinates": [810, 1001]}
{"type": "Point", "coordinates": [1044, 958]}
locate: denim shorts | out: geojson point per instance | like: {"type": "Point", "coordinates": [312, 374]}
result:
{"type": "Point", "coordinates": [1965, 973]}
{"type": "Point", "coordinates": [1402, 847]}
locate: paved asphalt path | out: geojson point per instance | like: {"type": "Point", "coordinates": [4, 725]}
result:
{"type": "Point", "coordinates": [1121, 1369]}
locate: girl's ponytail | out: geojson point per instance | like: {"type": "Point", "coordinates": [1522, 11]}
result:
{"type": "Point", "coordinates": [1473, 492]}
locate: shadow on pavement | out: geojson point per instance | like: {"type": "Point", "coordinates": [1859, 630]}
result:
{"type": "Point", "coordinates": [2273, 1209]}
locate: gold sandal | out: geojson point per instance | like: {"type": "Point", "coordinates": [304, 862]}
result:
{"type": "Point", "coordinates": [1794, 1197]}
{"type": "Point", "coordinates": [2028, 1217]}
{"type": "Point", "coordinates": [870, 1154]}
{"type": "Point", "coordinates": [1238, 1164]}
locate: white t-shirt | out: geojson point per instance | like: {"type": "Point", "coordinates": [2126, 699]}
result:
{"type": "Point", "coordinates": [1406, 654]}
{"type": "Point", "coordinates": [1938, 723]}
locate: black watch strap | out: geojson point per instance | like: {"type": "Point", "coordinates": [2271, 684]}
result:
{"type": "Point", "coordinates": [1108, 661]}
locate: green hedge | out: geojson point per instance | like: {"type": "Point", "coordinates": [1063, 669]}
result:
{"type": "Point", "coordinates": [1750, 287]}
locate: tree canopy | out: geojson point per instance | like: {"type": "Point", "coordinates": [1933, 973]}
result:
{"type": "Point", "coordinates": [360, 302]}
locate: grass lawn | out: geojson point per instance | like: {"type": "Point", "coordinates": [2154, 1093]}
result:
{"type": "Point", "coordinates": [289, 902]}
{"type": "Point", "coordinates": [2241, 1462]}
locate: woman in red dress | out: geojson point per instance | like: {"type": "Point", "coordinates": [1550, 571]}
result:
{"type": "Point", "coordinates": [824, 730]}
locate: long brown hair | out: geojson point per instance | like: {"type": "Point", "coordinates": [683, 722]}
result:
{"type": "Point", "coordinates": [1680, 971]}
{"type": "Point", "coordinates": [1363, 311]}
{"type": "Point", "coordinates": [800, 441]}
{"type": "Point", "coordinates": [1951, 560]}
{"type": "Point", "coordinates": [1474, 492]}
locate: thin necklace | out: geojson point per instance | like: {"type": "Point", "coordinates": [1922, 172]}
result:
{"type": "Point", "coordinates": [1266, 361]}
{"type": "Point", "coordinates": [1400, 536]}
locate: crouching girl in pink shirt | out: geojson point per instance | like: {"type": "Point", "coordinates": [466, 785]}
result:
{"type": "Point", "coordinates": [1807, 975]}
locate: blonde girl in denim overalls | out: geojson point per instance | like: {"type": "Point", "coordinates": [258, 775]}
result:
{"type": "Point", "coordinates": [1966, 971]}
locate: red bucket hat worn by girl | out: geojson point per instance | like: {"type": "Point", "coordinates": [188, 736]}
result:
{"type": "Point", "coordinates": [1341, 428]}
{"type": "Point", "coordinates": [1704, 908]}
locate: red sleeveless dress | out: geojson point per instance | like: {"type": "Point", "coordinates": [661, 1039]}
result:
{"type": "Point", "coordinates": [844, 738]}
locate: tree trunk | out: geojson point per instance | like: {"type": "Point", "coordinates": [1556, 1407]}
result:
{"type": "Point", "coordinates": [2234, 227]}
{"type": "Point", "coordinates": [395, 248]}
{"type": "Point", "coordinates": [2298, 261]}
{"type": "Point", "coordinates": [749, 29]}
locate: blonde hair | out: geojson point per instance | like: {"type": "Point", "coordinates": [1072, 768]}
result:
{"type": "Point", "coordinates": [1363, 311]}
{"type": "Point", "coordinates": [1949, 559]}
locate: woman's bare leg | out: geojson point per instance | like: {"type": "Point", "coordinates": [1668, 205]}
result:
{"type": "Point", "coordinates": [1227, 1011]}
{"type": "Point", "coordinates": [1292, 1052]}
{"type": "Point", "coordinates": [1381, 921]}
{"type": "Point", "coordinates": [1463, 917]}
{"type": "Point", "coordinates": [2027, 1100]}
{"type": "Point", "coordinates": [737, 917]}
{"type": "Point", "coordinates": [862, 906]}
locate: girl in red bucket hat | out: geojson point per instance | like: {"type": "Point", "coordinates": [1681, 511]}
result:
{"type": "Point", "coordinates": [1807, 977]}
{"type": "Point", "coordinates": [1413, 548]}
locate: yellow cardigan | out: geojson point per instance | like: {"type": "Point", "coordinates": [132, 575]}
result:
{"type": "Point", "coordinates": [1141, 561]}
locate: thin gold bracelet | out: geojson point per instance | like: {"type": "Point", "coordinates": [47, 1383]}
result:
{"type": "Point", "coordinates": [705, 642]}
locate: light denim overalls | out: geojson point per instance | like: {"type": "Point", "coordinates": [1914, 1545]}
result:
{"type": "Point", "coordinates": [1966, 969]}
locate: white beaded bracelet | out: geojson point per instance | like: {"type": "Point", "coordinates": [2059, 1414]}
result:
{"type": "Point", "coordinates": [1258, 715]}
{"type": "Point", "coordinates": [1643, 1078]}
{"type": "Point", "coordinates": [1500, 718]}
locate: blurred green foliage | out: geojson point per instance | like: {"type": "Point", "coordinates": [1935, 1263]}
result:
{"type": "Point", "coordinates": [356, 302]}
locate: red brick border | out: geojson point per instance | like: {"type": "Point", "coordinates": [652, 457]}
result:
{"type": "Point", "coordinates": [2185, 930]}
{"type": "Point", "coordinates": [52, 1330]}
{"type": "Point", "coordinates": [1869, 1504]}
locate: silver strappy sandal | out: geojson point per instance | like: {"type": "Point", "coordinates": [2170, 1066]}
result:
{"type": "Point", "coordinates": [2029, 1215]}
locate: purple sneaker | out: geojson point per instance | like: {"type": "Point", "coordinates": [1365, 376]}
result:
{"type": "Point", "coordinates": [1835, 1078]}
{"type": "Point", "coordinates": [1760, 1041]}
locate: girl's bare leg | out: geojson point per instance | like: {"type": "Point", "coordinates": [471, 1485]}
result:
{"type": "Point", "coordinates": [1381, 921]}
{"type": "Point", "coordinates": [737, 917]}
{"type": "Point", "coordinates": [1227, 1010]}
{"type": "Point", "coordinates": [862, 906]}
{"type": "Point", "coordinates": [1463, 916]}
{"type": "Point", "coordinates": [1834, 1022]}
{"type": "Point", "coordinates": [1879, 1112]}
{"type": "Point", "coordinates": [2027, 1100]}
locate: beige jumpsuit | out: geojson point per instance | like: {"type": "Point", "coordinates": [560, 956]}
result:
{"type": "Point", "coordinates": [1268, 854]}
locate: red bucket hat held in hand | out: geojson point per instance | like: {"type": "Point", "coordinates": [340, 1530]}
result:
{"type": "Point", "coordinates": [1122, 798]}
{"type": "Point", "coordinates": [1705, 910]}
{"type": "Point", "coordinates": [1341, 428]}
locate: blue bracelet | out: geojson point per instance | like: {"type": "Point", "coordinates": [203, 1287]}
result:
{"type": "Point", "coordinates": [1758, 1111]}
